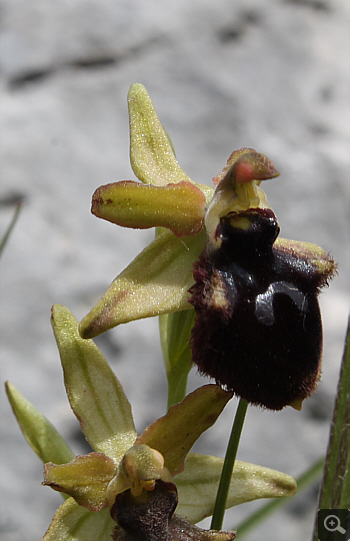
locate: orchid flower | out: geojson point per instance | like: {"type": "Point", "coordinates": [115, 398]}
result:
{"type": "Point", "coordinates": [257, 326]}
{"type": "Point", "coordinates": [130, 481]}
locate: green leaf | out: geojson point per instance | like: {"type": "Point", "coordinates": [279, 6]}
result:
{"type": "Point", "coordinates": [197, 485]}
{"type": "Point", "coordinates": [74, 523]}
{"type": "Point", "coordinates": [4, 239]}
{"type": "Point", "coordinates": [174, 434]}
{"type": "Point", "coordinates": [335, 491]}
{"type": "Point", "coordinates": [178, 207]}
{"type": "Point", "coordinates": [95, 394]}
{"type": "Point", "coordinates": [152, 158]}
{"type": "Point", "coordinates": [175, 331]}
{"type": "Point", "coordinates": [155, 283]}
{"type": "Point", "coordinates": [178, 376]}
{"type": "Point", "coordinates": [37, 430]}
{"type": "Point", "coordinates": [85, 479]}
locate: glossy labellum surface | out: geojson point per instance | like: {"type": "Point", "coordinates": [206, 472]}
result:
{"type": "Point", "coordinates": [258, 328]}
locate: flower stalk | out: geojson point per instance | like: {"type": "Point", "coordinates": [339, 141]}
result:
{"type": "Point", "coordinates": [229, 462]}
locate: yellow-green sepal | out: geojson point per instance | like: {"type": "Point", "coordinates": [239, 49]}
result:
{"type": "Point", "coordinates": [151, 155]}
{"type": "Point", "coordinates": [197, 485]}
{"type": "Point", "coordinates": [40, 434]}
{"type": "Point", "coordinates": [85, 478]}
{"type": "Point", "coordinates": [95, 394]}
{"type": "Point", "coordinates": [156, 282]}
{"type": "Point", "coordinates": [72, 522]}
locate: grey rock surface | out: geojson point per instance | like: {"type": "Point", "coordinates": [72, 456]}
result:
{"type": "Point", "coordinates": [272, 75]}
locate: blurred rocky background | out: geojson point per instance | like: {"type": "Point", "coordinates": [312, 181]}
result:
{"type": "Point", "coordinates": [271, 74]}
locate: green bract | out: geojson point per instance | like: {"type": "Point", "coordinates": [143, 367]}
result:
{"type": "Point", "coordinates": [123, 461]}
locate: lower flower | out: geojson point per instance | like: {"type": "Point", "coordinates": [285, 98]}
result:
{"type": "Point", "coordinates": [130, 474]}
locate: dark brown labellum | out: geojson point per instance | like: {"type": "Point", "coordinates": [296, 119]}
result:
{"type": "Point", "coordinates": [146, 518]}
{"type": "Point", "coordinates": [258, 328]}
{"type": "Point", "coordinates": [151, 517]}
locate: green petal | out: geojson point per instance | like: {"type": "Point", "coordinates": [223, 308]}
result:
{"type": "Point", "coordinates": [155, 283]}
{"type": "Point", "coordinates": [85, 479]}
{"type": "Point", "coordinates": [197, 485]}
{"type": "Point", "coordinates": [37, 430]}
{"type": "Point", "coordinates": [151, 155]}
{"type": "Point", "coordinates": [95, 394]}
{"type": "Point", "coordinates": [174, 434]}
{"type": "Point", "coordinates": [74, 523]}
{"type": "Point", "coordinates": [179, 207]}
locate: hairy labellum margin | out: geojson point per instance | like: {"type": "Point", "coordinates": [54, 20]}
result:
{"type": "Point", "coordinates": [258, 329]}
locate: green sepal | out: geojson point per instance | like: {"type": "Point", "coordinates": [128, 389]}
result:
{"type": "Point", "coordinates": [174, 434]}
{"type": "Point", "coordinates": [151, 155]}
{"type": "Point", "coordinates": [197, 485]}
{"type": "Point", "coordinates": [72, 522]}
{"type": "Point", "coordinates": [95, 394]}
{"type": "Point", "coordinates": [85, 479]}
{"type": "Point", "coordinates": [156, 282]}
{"type": "Point", "coordinates": [40, 434]}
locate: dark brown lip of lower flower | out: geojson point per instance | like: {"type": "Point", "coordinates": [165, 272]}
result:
{"type": "Point", "coordinates": [152, 518]}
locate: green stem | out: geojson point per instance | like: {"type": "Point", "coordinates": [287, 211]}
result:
{"type": "Point", "coordinates": [177, 378]}
{"type": "Point", "coordinates": [230, 457]}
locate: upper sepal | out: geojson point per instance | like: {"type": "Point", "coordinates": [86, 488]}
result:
{"type": "Point", "coordinates": [151, 154]}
